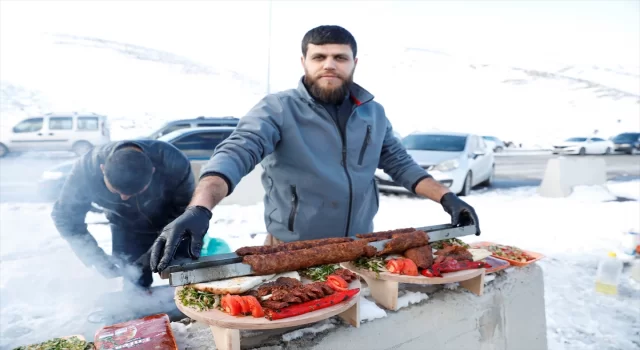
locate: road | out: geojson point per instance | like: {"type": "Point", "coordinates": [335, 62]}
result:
{"type": "Point", "coordinates": [19, 174]}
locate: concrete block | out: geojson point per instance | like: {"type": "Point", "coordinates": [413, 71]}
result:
{"type": "Point", "coordinates": [249, 191]}
{"type": "Point", "coordinates": [563, 174]}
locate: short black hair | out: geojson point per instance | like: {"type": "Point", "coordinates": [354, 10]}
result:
{"type": "Point", "coordinates": [329, 34]}
{"type": "Point", "coordinates": [128, 170]}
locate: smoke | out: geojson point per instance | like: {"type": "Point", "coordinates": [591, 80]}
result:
{"type": "Point", "coordinates": [46, 291]}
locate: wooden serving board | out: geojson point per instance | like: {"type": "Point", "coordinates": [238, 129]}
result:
{"type": "Point", "coordinates": [226, 328]}
{"type": "Point", "coordinates": [384, 286]}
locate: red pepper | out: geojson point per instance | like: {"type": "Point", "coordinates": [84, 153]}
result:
{"type": "Point", "coordinates": [313, 305]}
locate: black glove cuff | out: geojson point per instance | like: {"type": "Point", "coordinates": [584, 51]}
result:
{"type": "Point", "coordinates": [202, 209]}
{"type": "Point", "coordinates": [447, 197]}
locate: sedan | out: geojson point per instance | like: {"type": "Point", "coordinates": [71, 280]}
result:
{"type": "Point", "coordinates": [584, 145]}
{"type": "Point", "coordinates": [457, 160]}
{"type": "Point", "coordinates": [628, 142]}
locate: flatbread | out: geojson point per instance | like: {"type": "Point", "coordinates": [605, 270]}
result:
{"type": "Point", "coordinates": [479, 254]}
{"type": "Point", "coordinates": [236, 285]}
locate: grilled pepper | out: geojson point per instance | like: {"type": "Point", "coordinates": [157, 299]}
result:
{"type": "Point", "coordinates": [309, 306]}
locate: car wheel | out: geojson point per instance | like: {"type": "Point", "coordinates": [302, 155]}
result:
{"type": "Point", "coordinates": [583, 151]}
{"type": "Point", "coordinates": [466, 189]}
{"type": "Point", "coordinates": [81, 147]}
{"type": "Point", "coordinates": [489, 180]}
{"type": "Point", "coordinates": [499, 149]}
{"type": "Point", "coordinates": [3, 150]}
{"type": "Point", "coordinates": [607, 151]}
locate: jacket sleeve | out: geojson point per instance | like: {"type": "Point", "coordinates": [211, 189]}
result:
{"type": "Point", "coordinates": [396, 162]}
{"type": "Point", "coordinates": [70, 210]}
{"type": "Point", "coordinates": [255, 137]}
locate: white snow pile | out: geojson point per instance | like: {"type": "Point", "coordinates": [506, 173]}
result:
{"type": "Point", "coordinates": [410, 298]}
{"type": "Point", "coordinates": [46, 292]}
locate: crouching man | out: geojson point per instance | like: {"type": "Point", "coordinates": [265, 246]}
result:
{"type": "Point", "coordinates": [142, 186]}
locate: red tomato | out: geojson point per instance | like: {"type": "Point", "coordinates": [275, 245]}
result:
{"type": "Point", "coordinates": [232, 305]}
{"type": "Point", "coordinates": [409, 268]}
{"type": "Point", "coordinates": [337, 283]}
{"type": "Point", "coordinates": [395, 265]}
{"type": "Point", "coordinates": [243, 305]}
{"type": "Point", "coordinates": [254, 306]}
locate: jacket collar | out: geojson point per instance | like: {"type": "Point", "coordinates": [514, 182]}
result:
{"type": "Point", "coordinates": [357, 93]}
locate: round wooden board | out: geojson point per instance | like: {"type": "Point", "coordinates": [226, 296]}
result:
{"type": "Point", "coordinates": [224, 320]}
{"type": "Point", "coordinates": [450, 277]}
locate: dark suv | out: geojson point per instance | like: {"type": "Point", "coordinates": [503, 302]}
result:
{"type": "Point", "coordinates": [627, 142]}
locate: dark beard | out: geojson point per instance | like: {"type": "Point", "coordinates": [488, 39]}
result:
{"type": "Point", "coordinates": [333, 96]}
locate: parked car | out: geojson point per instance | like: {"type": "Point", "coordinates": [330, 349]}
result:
{"type": "Point", "coordinates": [74, 132]}
{"type": "Point", "coordinates": [494, 143]}
{"type": "Point", "coordinates": [457, 160]}
{"type": "Point", "coordinates": [583, 145]}
{"type": "Point", "coordinates": [628, 142]}
{"type": "Point", "coordinates": [193, 123]}
{"type": "Point", "coordinates": [197, 144]}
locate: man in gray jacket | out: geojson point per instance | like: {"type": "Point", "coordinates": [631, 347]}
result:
{"type": "Point", "coordinates": [319, 145]}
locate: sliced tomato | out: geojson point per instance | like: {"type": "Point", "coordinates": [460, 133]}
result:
{"type": "Point", "coordinates": [427, 273]}
{"type": "Point", "coordinates": [409, 268]}
{"type": "Point", "coordinates": [232, 305]}
{"type": "Point", "coordinates": [254, 306]}
{"type": "Point", "coordinates": [339, 281]}
{"type": "Point", "coordinates": [395, 265]}
{"type": "Point", "coordinates": [243, 305]}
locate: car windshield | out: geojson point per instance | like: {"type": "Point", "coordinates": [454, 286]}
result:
{"type": "Point", "coordinates": [445, 143]}
{"type": "Point", "coordinates": [490, 138]}
{"type": "Point", "coordinates": [576, 139]}
{"type": "Point", "coordinates": [627, 137]}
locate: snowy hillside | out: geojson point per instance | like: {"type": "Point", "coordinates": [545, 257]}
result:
{"type": "Point", "coordinates": [140, 87]}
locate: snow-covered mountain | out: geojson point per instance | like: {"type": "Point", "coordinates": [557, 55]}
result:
{"type": "Point", "coordinates": [526, 102]}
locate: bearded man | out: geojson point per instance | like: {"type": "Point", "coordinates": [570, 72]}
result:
{"type": "Point", "coordinates": [320, 145]}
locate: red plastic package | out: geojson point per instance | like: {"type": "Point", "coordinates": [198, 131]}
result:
{"type": "Point", "coordinates": [147, 333]}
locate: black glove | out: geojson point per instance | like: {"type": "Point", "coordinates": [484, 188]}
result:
{"type": "Point", "coordinates": [461, 213]}
{"type": "Point", "coordinates": [192, 225]}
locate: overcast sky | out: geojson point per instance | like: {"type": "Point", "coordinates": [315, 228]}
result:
{"type": "Point", "coordinates": [574, 31]}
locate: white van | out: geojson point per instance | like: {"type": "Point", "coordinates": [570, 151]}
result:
{"type": "Point", "coordinates": [76, 132]}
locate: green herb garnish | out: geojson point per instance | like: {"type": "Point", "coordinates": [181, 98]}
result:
{"type": "Point", "coordinates": [450, 241]}
{"type": "Point", "coordinates": [199, 300]}
{"type": "Point", "coordinates": [320, 273]}
{"type": "Point", "coordinates": [375, 264]}
{"type": "Point", "coordinates": [71, 343]}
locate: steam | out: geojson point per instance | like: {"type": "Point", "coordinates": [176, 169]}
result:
{"type": "Point", "coordinates": [42, 280]}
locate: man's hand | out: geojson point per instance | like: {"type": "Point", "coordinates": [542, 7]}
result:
{"type": "Point", "coordinates": [192, 225]}
{"type": "Point", "coordinates": [461, 212]}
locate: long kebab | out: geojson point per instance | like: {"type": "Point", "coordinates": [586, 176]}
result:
{"type": "Point", "coordinates": [284, 261]}
{"type": "Point", "coordinates": [258, 250]}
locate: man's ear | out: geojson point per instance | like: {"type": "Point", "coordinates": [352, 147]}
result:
{"type": "Point", "coordinates": [102, 168]}
{"type": "Point", "coordinates": [355, 61]}
{"type": "Point", "coordinates": [302, 61]}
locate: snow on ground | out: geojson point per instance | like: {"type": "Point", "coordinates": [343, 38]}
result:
{"type": "Point", "coordinates": [46, 292]}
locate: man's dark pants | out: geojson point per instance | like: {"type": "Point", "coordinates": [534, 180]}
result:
{"type": "Point", "coordinates": [129, 245]}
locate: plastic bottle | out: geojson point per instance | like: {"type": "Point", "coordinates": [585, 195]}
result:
{"type": "Point", "coordinates": [608, 276]}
